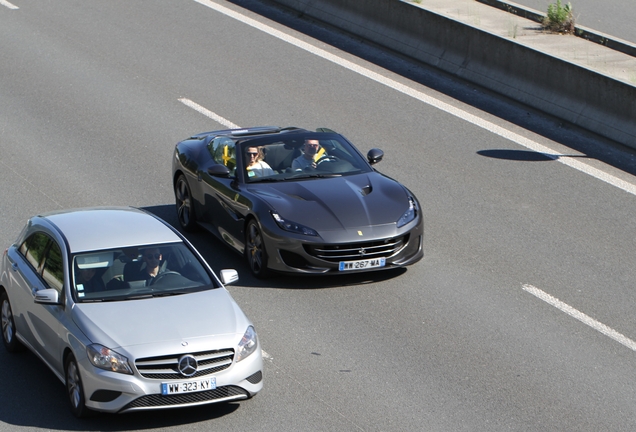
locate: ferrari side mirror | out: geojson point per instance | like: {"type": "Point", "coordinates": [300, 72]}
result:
{"type": "Point", "coordinates": [375, 155]}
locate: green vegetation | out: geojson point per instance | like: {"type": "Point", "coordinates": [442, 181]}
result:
{"type": "Point", "coordinates": [560, 18]}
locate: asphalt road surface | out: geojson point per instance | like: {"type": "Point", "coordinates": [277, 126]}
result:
{"type": "Point", "coordinates": [614, 17]}
{"type": "Point", "coordinates": [519, 318]}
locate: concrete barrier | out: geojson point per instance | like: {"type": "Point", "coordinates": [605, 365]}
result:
{"type": "Point", "coordinates": [584, 97]}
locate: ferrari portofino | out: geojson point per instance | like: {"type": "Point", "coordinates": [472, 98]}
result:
{"type": "Point", "coordinates": [296, 201]}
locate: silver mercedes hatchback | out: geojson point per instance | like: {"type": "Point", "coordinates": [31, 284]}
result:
{"type": "Point", "coordinates": [126, 313]}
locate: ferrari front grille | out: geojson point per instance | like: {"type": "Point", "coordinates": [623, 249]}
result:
{"type": "Point", "coordinates": [166, 367]}
{"type": "Point", "coordinates": [354, 251]}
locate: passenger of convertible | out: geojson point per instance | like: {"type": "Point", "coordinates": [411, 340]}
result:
{"type": "Point", "coordinates": [256, 166]}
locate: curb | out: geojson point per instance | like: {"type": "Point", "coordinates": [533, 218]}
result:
{"type": "Point", "coordinates": [603, 39]}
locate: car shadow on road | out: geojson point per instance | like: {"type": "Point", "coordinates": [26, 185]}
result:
{"type": "Point", "coordinates": [33, 397]}
{"type": "Point", "coordinates": [525, 155]}
{"type": "Point", "coordinates": [220, 256]}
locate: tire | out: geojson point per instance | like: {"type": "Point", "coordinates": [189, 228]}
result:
{"type": "Point", "coordinates": [11, 342]}
{"type": "Point", "coordinates": [185, 205]}
{"type": "Point", "coordinates": [74, 388]}
{"type": "Point", "coordinates": [255, 252]}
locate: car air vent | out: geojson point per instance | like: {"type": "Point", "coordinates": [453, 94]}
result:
{"type": "Point", "coordinates": [220, 394]}
{"type": "Point", "coordinates": [298, 197]}
{"type": "Point", "coordinates": [366, 190]}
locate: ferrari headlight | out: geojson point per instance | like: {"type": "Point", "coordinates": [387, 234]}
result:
{"type": "Point", "coordinates": [107, 359]}
{"type": "Point", "coordinates": [294, 227]}
{"type": "Point", "coordinates": [408, 215]}
{"type": "Point", "coordinates": [247, 345]}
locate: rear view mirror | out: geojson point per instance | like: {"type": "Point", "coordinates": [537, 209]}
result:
{"type": "Point", "coordinates": [47, 296]}
{"type": "Point", "coordinates": [219, 170]}
{"type": "Point", "coordinates": [375, 155]}
{"type": "Point", "coordinates": [229, 276]}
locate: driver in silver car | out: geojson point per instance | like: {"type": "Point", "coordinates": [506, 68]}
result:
{"type": "Point", "coordinates": [152, 258]}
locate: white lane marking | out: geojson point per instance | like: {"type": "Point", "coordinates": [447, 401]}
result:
{"type": "Point", "coordinates": [443, 106]}
{"type": "Point", "coordinates": [7, 4]}
{"type": "Point", "coordinates": [206, 112]}
{"type": "Point", "coordinates": [607, 331]}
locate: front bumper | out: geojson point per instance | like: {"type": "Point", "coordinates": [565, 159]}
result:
{"type": "Point", "coordinates": [114, 392]}
{"type": "Point", "coordinates": [299, 255]}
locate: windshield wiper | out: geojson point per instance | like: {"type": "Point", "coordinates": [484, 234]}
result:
{"type": "Point", "coordinates": [267, 179]}
{"type": "Point", "coordinates": [136, 297]}
{"type": "Point", "coordinates": [169, 293]}
{"type": "Point", "coordinates": [313, 175]}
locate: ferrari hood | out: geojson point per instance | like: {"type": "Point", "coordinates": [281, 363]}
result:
{"type": "Point", "coordinates": [182, 318]}
{"type": "Point", "coordinates": [347, 202]}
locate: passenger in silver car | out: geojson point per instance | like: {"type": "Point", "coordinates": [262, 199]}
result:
{"type": "Point", "coordinates": [86, 280]}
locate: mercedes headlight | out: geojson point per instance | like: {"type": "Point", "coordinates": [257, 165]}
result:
{"type": "Point", "coordinates": [247, 345]}
{"type": "Point", "coordinates": [294, 227]}
{"type": "Point", "coordinates": [408, 215]}
{"type": "Point", "coordinates": [107, 359]}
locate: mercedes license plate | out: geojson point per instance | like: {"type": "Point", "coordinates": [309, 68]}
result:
{"type": "Point", "coordinates": [188, 386]}
{"type": "Point", "coordinates": [362, 264]}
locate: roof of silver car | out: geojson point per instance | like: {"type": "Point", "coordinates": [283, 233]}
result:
{"type": "Point", "coordinates": [110, 227]}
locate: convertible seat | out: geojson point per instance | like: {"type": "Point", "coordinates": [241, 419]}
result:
{"type": "Point", "coordinates": [280, 157]}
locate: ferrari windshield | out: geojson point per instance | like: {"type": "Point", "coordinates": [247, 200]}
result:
{"type": "Point", "coordinates": [299, 156]}
{"type": "Point", "coordinates": [137, 272]}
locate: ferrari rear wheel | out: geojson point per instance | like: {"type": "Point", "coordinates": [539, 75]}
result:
{"type": "Point", "coordinates": [185, 206]}
{"type": "Point", "coordinates": [11, 343]}
{"type": "Point", "coordinates": [255, 252]}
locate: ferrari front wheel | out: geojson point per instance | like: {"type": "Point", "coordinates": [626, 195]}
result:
{"type": "Point", "coordinates": [255, 252]}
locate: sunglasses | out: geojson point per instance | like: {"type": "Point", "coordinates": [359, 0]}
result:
{"type": "Point", "coordinates": [151, 256]}
{"type": "Point", "coordinates": [252, 154]}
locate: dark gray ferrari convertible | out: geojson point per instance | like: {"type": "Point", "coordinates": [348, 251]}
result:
{"type": "Point", "coordinates": [296, 201]}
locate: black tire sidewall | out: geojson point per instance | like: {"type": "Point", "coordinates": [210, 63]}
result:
{"type": "Point", "coordinates": [14, 345]}
{"type": "Point", "coordinates": [81, 410]}
{"type": "Point", "coordinates": [192, 223]}
{"type": "Point", "coordinates": [264, 271]}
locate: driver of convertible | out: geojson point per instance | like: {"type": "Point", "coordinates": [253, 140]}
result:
{"type": "Point", "coordinates": [307, 159]}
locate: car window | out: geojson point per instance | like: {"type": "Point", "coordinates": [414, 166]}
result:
{"type": "Point", "coordinates": [223, 151]}
{"type": "Point", "coordinates": [53, 270]}
{"type": "Point", "coordinates": [138, 272]}
{"type": "Point", "coordinates": [34, 248]}
{"type": "Point", "coordinates": [334, 157]}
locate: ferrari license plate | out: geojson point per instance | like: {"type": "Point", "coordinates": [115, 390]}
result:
{"type": "Point", "coordinates": [188, 386]}
{"type": "Point", "coordinates": [362, 264]}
